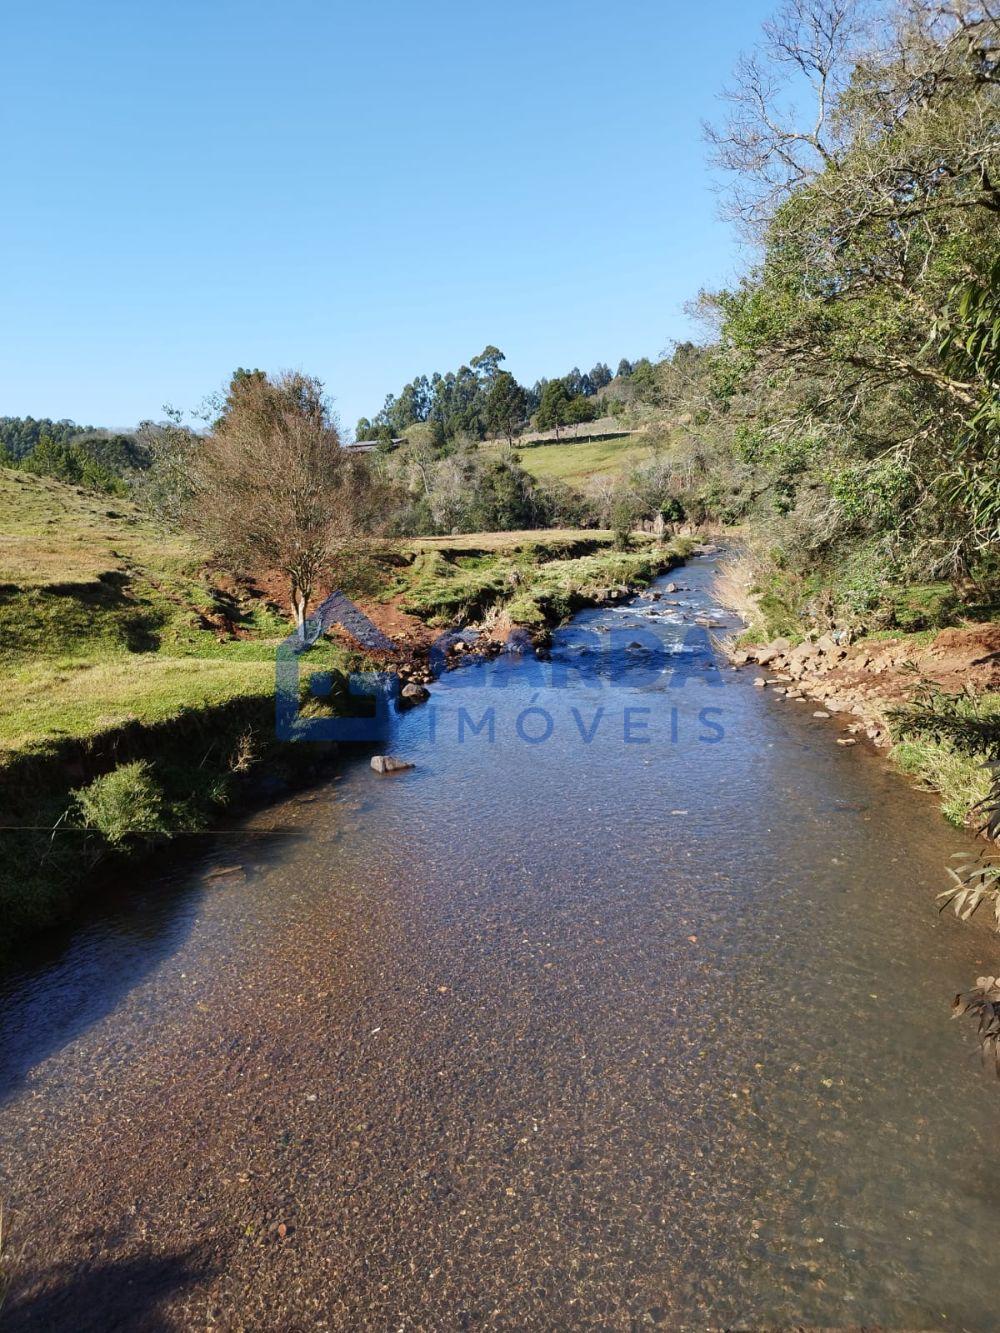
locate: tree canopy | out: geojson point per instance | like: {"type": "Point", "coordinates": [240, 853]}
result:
{"type": "Point", "coordinates": [271, 489]}
{"type": "Point", "coordinates": [853, 380]}
{"type": "Point", "coordinates": [467, 404]}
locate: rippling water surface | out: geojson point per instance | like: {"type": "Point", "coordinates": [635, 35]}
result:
{"type": "Point", "coordinates": [627, 1007]}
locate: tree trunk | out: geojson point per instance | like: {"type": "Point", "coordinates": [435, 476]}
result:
{"type": "Point", "coordinates": [299, 603]}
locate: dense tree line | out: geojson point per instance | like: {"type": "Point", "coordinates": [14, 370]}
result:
{"type": "Point", "coordinates": [19, 435]}
{"type": "Point", "coordinates": [481, 400]}
{"type": "Point", "coordinates": [100, 460]}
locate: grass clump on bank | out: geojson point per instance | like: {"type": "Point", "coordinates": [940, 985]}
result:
{"type": "Point", "coordinates": [945, 742]}
{"type": "Point", "coordinates": [125, 804]}
{"type": "Point", "coordinates": [787, 603]}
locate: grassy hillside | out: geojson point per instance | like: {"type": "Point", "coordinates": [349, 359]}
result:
{"type": "Point", "coordinates": [130, 673]}
{"type": "Point", "coordinates": [581, 463]}
{"type": "Point", "coordinates": [104, 620]}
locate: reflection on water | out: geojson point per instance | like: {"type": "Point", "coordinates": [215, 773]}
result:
{"type": "Point", "coordinates": [635, 983]}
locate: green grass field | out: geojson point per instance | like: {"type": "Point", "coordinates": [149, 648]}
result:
{"type": "Point", "coordinates": [582, 463]}
{"type": "Point", "coordinates": [52, 534]}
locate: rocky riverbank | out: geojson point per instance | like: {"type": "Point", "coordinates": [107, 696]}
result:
{"type": "Point", "coordinates": [870, 678]}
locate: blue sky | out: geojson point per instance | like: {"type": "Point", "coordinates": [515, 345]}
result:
{"type": "Point", "coordinates": [365, 191]}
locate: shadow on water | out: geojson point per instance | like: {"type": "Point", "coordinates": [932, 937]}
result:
{"type": "Point", "coordinates": [122, 1294]}
{"type": "Point", "coordinates": [77, 973]}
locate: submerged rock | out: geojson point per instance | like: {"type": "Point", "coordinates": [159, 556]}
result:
{"type": "Point", "coordinates": [385, 763]}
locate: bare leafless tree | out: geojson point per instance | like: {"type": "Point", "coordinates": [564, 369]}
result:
{"type": "Point", "coordinates": [771, 142]}
{"type": "Point", "coordinates": [274, 491]}
{"type": "Point", "coordinates": [830, 75]}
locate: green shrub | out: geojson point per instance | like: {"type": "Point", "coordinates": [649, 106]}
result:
{"type": "Point", "coordinates": [124, 805]}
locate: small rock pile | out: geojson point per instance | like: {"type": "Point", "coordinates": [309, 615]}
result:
{"type": "Point", "coordinates": [803, 673]}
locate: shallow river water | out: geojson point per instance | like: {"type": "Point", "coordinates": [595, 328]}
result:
{"type": "Point", "coordinates": [626, 1007]}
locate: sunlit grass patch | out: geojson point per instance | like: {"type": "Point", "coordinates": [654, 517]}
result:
{"type": "Point", "coordinates": [945, 746]}
{"type": "Point", "coordinates": [579, 462]}
{"type": "Point", "coordinates": [51, 533]}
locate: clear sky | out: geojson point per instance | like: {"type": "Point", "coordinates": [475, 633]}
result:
{"type": "Point", "coordinates": [363, 191]}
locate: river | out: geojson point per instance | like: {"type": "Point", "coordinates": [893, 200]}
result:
{"type": "Point", "coordinates": [626, 1007]}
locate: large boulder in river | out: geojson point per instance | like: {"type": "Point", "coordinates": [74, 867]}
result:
{"type": "Point", "coordinates": [385, 763]}
{"type": "Point", "coordinates": [413, 694]}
